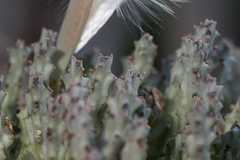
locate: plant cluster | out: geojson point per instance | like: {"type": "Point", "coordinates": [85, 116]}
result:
{"type": "Point", "coordinates": [183, 111]}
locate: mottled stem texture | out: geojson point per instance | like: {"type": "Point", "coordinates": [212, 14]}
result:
{"type": "Point", "coordinates": [188, 109]}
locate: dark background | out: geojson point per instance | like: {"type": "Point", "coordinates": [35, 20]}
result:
{"type": "Point", "coordinates": [24, 19]}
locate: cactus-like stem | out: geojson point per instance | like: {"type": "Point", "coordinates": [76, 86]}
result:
{"type": "Point", "coordinates": [143, 56]}
{"type": "Point", "coordinates": [75, 74]}
{"type": "Point", "coordinates": [80, 134]}
{"type": "Point", "coordinates": [35, 98]}
{"type": "Point", "coordinates": [179, 148]}
{"type": "Point", "coordinates": [6, 139]}
{"type": "Point", "coordinates": [207, 33]}
{"type": "Point", "coordinates": [42, 63]}
{"type": "Point", "coordinates": [177, 70]}
{"type": "Point", "coordinates": [17, 61]}
{"type": "Point", "coordinates": [226, 70]}
{"type": "Point", "coordinates": [136, 141]}
{"type": "Point", "coordinates": [6, 136]}
{"type": "Point", "coordinates": [36, 104]}
{"type": "Point", "coordinates": [24, 135]}
{"type": "Point", "coordinates": [122, 105]}
{"type": "Point", "coordinates": [6, 129]}
{"type": "Point", "coordinates": [54, 130]}
{"type": "Point", "coordinates": [192, 65]}
{"type": "Point", "coordinates": [172, 92]}
{"type": "Point", "coordinates": [230, 147]}
{"type": "Point", "coordinates": [222, 56]}
{"type": "Point", "coordinates": [49, 34]}
{"type": "Point", "coordinates": [231, 117]}
{"type": "Point", "coordinates": [132, 81]}
{"type": "Point", "coordinates": [101, 79]}
{"type": "Point", "coordinates": [210, 92]}
{"type": "Point", "coordinates": [200, 132]}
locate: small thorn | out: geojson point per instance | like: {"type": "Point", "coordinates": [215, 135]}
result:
{"type": "Point", "coordinates": [30, 62]}
{"type": "Point", "coordinates": [91, 71]}
{"type": "Point", "coordinates": [130, 58]}
{"type": "Point", "coordinates": [215, 47]}
{"type": "Point", "coordinates": [78, 62]}
{"type": "Point", "coordinates": [196, 71]}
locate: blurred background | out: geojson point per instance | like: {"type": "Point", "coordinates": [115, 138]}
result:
{"type": "Point", "coordinates": [24, 19]}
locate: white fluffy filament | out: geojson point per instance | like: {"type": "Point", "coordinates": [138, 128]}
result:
{"type": "Point", "coordinates": [137, 11]}
{"type": "Point", "coordinates": [101, 11]}
{"type": "Point", "coordinates": [84, 18]}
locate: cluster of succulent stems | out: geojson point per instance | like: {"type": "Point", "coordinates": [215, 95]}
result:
{"type": "Point", "coordinates": [184, 111]}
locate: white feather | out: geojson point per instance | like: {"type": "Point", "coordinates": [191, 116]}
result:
{"type": "Point", "coordinates": [102, 10]}
{"type": "Point", "coordinates": [84, 18]}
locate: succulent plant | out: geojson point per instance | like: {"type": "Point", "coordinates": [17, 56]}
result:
{"type": "Point", "coordinates": [17, 61]}
{"type": "Point", "coordinates": [138, 116]}
{"type": "Point", "coordinates": [143, 56]}
{"type": "Point", "coordinates": [200, 129]}
{"type": "Point", "coordinates": [101, 79]}
{"type": "Point", "coordinates": [36, 102]}
{"type": "Point", "coordinates": [6, 129]}
{"type": "Point", "coordinates": [122, 106]}
{"type": "Point", "coordinates": [229, 146]}
{"type": "Point", "coordinates": [226, 69]}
